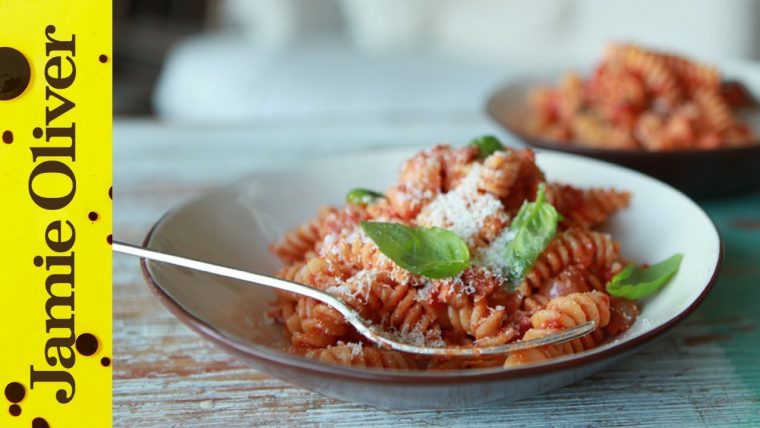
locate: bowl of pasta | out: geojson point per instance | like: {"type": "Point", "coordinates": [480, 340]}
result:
{"type": "Point", "coordinates": [476, 245]}
{"type": "Point", "coordinates": [677, 120]}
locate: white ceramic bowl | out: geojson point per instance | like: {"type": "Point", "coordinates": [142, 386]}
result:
{"type": "Point", "coordinates": [234, 224]}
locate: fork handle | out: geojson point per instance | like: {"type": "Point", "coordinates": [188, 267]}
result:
{"type": "Point", "coordinates": [138, 251]}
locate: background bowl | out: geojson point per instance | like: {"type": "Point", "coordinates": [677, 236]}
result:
{"type": "Point", "coordinates": [698, 173]}
{"type": "Point", "coordinates": [233, 225]}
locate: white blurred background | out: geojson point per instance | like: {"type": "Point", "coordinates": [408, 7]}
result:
{"type": "Point", "coordinates": [239, 61]}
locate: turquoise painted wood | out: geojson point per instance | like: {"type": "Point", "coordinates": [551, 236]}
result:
{"type": "Point", "coordinates": [705, 373]}
{"type": "Point", "coordinates": [733, 308]}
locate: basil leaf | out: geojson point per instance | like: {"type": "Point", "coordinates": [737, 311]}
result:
{"type": "Point", "coordinates": [636, 282]}
{"type": "Point", "coordinates": [533, 228]}
{"type": "Point", "coordinates": [362, 196]}
{"type": "Point", "coordinates": [431, 252]}
{"type": "Point", "coordinates": [487, 144]}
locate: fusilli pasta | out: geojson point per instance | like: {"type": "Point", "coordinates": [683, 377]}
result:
{"type": "Point", "coordinates": [477, 198]}
{"type": "Point", "coordinates": [639, 99]}
{"type": "Point", "coordinates": [561, 313]}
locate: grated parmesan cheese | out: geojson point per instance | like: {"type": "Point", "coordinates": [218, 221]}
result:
{"type": "Point", "coordinates": [357, 286]}
{"type": "Point", "coordinates": [357, 235]}
{"type": "Point", "coordinates": [498, 308]}
{"type": "Point", "coordinates": [493, 257]}
{"type": "Point", "coordinates": [329, 240]}
{"type": "Point", "coordinates": [356, 349]}
{"type": "Point", "coordinates": [418, 336]}
{"type": "Point", "coordinates": [425, 292]}
{"type": "Point", "coordinates": [341, 290]}
{"type": "Point", "coordinates": [463, 210]}
{"type": "Point", "coordinates": [458, 284]}
{"type": "Point", "coordinates": [363, 281]}
{"type": "Point", "coordinates": [413, 194]}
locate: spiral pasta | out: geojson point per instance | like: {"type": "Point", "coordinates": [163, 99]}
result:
{"type": "Point", "coordinates": [715, 111]}
{"type": "Point", "coordinates": [296, 243]}
{"type": "Point", "coordinates": [486, 324]}
{"type": "Point", "coordinates": [562, 313]}
{"type": "Point", "coordinates": [692, 74]}
{"type": "Point", "coordinates": [639, 99]}
{"type": "Point", "coordinates": [651, 66]}
{"type": "Point", "coordinates": [575, 246]}
{"type": "Point", "coordinates": [426, 175]}
{"type": "Point", "coordinates": [313, 324]}
{"type": "Point", "coordinates": [351, 251]}
{"type": "Point", "coordinates": [475, 197]}
{"type": "Point", "coordinates": [500, 172]}
{"type": "Point", "coordinates": [402, 310]}
{"type": "Point", "coordinates": [355, 354]}
{"type": "Point", "coordinates": [585, 207]}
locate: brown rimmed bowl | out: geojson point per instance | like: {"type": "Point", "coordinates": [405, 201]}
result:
{"type": "Point", "coordinates": [233, 225]}
{"type": "Point", "coordinates": [698, 173]}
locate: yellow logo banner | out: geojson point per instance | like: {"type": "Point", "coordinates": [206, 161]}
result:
{"type": "Point", "coordinates": [55, 213]}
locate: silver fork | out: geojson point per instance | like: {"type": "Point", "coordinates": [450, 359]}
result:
{"type": "Point", "coordinates": [364, 327]}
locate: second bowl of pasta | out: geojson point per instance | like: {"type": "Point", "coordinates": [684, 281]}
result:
{"type": "Point", "coordinates": [684, 122]}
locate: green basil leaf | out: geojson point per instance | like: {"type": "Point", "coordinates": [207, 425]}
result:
{"type": "Point", "coordinates": [360, 196]}
{"type": "Point", "coordinates": [636, 282]}
{"type": "Point", "coordinates": [487, 144]}
{"type": "Point", "coordinates": [431, 252]}
{"type": "Point", "coordinates": [533, 228]}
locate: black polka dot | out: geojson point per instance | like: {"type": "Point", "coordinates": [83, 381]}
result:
{"type": "Point", "coordinates": [37, 132]}
{"type": "Point", "coordinates": [105, 361]}
{"type": "Point", "coordinates": [86, 344]}
{"type": "Point", "coordinates": [38, 261]}
{"type": "Point", "coordinates": [103, 58]}
{"type": "Point", "coordinates": [7, 137]}
{"type": "Point", "coordinates": [110, 192]}
{"type": "Point", "coordinates": [40, 423]}
{"type": "Point", "coordinates": [92, 216]}
{"type": "Point", "coordinates": [15, 392]}
{"type": "Point", "coordinates": [14, 410]}
{"type": "Point", "coordinates": [109, 238]}
{"type": "Point", "coordinates": [15, 75]}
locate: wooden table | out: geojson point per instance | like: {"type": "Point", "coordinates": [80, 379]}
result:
{"type": "Point", "coordinates": [706, 372]}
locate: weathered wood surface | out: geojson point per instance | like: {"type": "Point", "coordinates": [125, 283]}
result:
{"type": "Point", "coordinates": [707, 372]}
